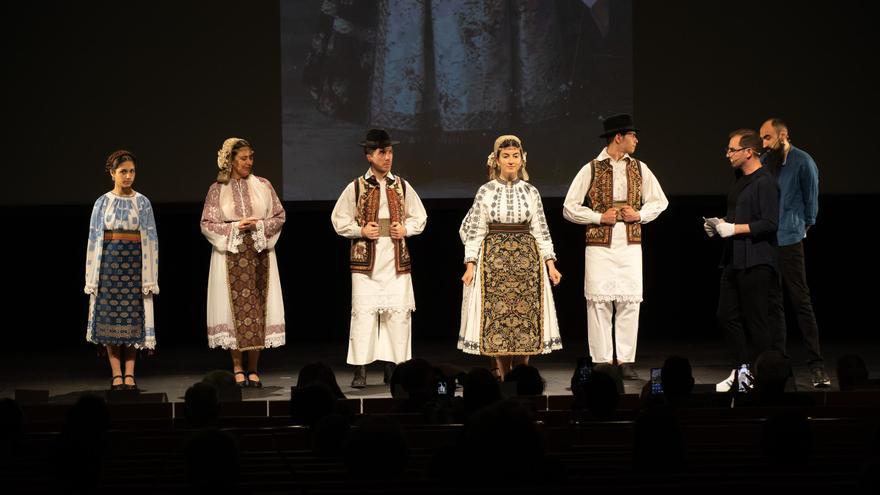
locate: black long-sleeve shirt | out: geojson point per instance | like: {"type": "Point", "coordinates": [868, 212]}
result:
{"type": "Point", "coordinates": [753, 199]}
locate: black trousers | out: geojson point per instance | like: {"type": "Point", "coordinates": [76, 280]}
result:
{"type": "Point", "coordinates": [749, 303]}
{"type": "Point", "coordinates": [797, 297]}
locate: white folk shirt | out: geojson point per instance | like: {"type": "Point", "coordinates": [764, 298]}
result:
{"type": "Point", "coordinates": [613, 273]}
{"type": "Point", "coordinates": [383, 290]}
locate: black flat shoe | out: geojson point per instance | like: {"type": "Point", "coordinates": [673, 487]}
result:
{"type": "Point", "coordinates": [254, 383]}
{"type": "Point", "coordinates": [120, 386]}
{"type": "Point", "coordinates": [243, 383]}
{"type": "Point", "coordinates": [133, 386]}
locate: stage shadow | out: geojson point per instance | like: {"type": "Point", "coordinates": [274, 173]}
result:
{"type": "Point", "coordinates": [72, 397]}
{"type": "Point", "coordinates": [266, 391]}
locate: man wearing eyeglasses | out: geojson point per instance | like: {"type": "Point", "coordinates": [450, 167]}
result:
{"type": "Point", "coordinates": [798, 179]}
{"type": "Point", "coordinates": [613, 196]}
{"type": "Point", "coordinates": [749, 296]}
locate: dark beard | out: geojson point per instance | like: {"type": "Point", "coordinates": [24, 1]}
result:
{"type": "Point", "coordinates": [773, 158]}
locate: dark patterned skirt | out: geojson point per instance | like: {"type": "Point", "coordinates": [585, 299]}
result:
{"type": "Point", "coordinates": [247, 273]}
{"type": "Point", "coordinates": [119, 303]}
{"type": "Point", "coordinates": [512, 321]}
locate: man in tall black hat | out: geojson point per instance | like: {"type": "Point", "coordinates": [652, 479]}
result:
{"type": "Point", "coordinates": [613, 195]}
{"type": "Point", "coordinates": [378, 211]}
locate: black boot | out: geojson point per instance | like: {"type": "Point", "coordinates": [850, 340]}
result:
{"type": "Point", "coordinates": [389, 370]}
{"type": "Point", "coordinates": [360, 377]}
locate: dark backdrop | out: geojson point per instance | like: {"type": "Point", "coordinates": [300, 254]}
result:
{"type": "Point", "coordinates": [172, 80]}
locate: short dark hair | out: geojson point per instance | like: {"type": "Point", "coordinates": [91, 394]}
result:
{"type": "Point", "coordinates": [749, 138]}
{"type": "Point", "coordinates": [778, 124]}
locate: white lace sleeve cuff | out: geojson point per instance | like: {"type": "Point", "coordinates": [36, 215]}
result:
{"type": "Point", "coordinates": [259, 236]}
{"type": "Point", "coordinates": [235, 238]}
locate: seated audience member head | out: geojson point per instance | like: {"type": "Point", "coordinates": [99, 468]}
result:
{"type": "Point", "coordinates": [319, 372]}
{"type": "Point", "coordinates": [414, 377]}
{"type": "Point", "coordinates": [88, 417]}
{"type": "Point", "coordinates": [311, 403]}
{"type": "Point", "coordinates": [11, 421]}
{"type": "Point", "coordinates": [212, 461]}
{"type": "Point", "coordinates": [677, 378]}
{"type": "Point", "coordinates": [376, 449]}
{"type": "Point", "coordinates": [223, 381]}
{"type": "Point", "coordinates": [658, 445]}
{"type": "Point", "coordinates": [771, 372]}
{"type": "Point", "coordinates": [202, 405]}
{"type": "Point", "coordinates": [508, 427]}
{"type": "Point", "coordinates": [598, 395]}
{"type": "Point", "coordinates": [528, 380]}
{"type": "Point", "coordinates": [11, 429]}
{"type": "Point", "coordinates": [480, 389]}
{"type": "Point", "coordinates": [329, 435]}
{"type": "Point", "coordinates": [851, 372]}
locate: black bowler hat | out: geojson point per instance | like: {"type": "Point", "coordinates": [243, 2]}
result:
{"type": "Point", "coordinates": [377, 138]}
{"type": "Point", "coordinates": [615, 124]}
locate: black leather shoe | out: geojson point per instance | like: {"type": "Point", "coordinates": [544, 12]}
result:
{"type": "Point", "coordinates": [118, 386]}
{"type": "Point", "coordinates": [389, 370]}
{"type": "Point", "coordinates": [254, 383]}
{"type": "Point", "coordinates": [243, 383]}
{"type": "Point", "coordinates": [628, 371]}
{"type": "Point", "coordinates": [360, 377]}
{"type": "Point", "coordinates": [820, 378]}
{"type": "Point", "coordinates": [133, 386]}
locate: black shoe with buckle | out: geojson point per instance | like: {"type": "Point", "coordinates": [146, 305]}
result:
{"type": "Point", "coordinates": [117, 386]}
{"type": "Point", "coordinates": [254, 383]}
{"type": "Point", "coordinates": [389, 370]}
{"type": "Point", "coordinates": [628, 371]}
{"type": "Point", "coordinates": [820, 378]}
{"type": "Point", "coordinates": [243, 383]}
{"type": "Point", "coordinates": [133, 386]}
{"type": "Point", "coordinates": [360, 377]}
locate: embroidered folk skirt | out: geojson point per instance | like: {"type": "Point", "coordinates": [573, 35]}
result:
{"type": "Point", "coordinates": [248, 281]}
{"type": "Point", "coordinates": [119, 303]}
{"type": "Point", "coordinates": [511, 289]}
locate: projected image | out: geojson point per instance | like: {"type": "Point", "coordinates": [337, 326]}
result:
{"type": "Point", "coordinates": [445, 78]}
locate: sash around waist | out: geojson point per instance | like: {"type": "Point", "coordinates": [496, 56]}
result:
{"type": "Point", "coordinates": [122, 235]}
{"type": "Point", "coordinates": [508, 227]}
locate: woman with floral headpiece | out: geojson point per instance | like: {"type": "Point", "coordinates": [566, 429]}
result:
{"type": "Point", "coordinates": [242, 220]}
{"type": "Point", "coordinates": [507, 309]}
{"type": "Point", "coordinates": [122, 267]}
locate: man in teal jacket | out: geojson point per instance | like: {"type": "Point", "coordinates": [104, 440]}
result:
{"type": "Point", "coordinates": [798, 179]}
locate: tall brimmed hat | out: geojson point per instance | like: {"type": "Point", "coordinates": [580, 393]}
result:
{"type": "Point", "coordinates": [615, 124]}
{"type": "Point", "coordinates": [377, 138]}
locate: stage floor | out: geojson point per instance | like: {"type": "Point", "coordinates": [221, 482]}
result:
{"type": "Point", "coordinates": [70, 373]}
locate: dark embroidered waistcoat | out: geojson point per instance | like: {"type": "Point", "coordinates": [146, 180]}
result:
{"type": "Point", "coordinates": [600, 197]}
{"type": "Point", "coordinates": [367, 192]}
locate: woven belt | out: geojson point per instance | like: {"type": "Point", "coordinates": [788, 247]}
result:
{"type": "Point", "coordinates": [508, 227]}
{"type": "Point", "coordinates": [122, 235]}
{"type": "Point", "coordinates": [384, 227]}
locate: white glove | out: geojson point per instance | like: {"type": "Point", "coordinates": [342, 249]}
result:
{"type": "Point", "coordinates": [710, 230]}
{"type": "Point", "coordinates": [724, 229]}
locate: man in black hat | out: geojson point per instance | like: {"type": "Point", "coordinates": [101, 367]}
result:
{"type": "Point", "coordinates": [378, 211]}
{"type": "Point", "coordinates": [613, 196]}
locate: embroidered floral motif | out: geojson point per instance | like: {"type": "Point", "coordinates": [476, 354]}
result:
{"type": "Point", "coordinates": [512, 322]}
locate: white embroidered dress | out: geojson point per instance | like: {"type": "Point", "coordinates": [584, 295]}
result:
{"type": "Point", "coordinates": [131, 213]}
{"type": "Point", "coordinates": [225, 206]}
{"type": "Point", "coordinates": [613, 273]}
{"type": "Point", "coordinates": [504, 202]}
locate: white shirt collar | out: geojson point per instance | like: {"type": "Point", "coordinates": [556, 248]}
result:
{"type": "Point", "coordinates": [605, 156]}
{"type": "Point", "coordinates": [369, 174]}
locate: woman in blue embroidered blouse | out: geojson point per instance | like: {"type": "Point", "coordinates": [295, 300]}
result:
{"type": "Point", "coordinates": [122, 263]}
